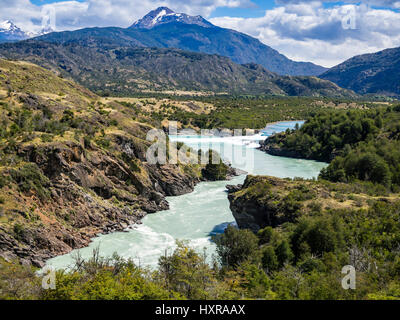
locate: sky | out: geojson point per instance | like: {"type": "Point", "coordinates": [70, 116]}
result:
{"type": "Point", "coordinates": [323, 32]}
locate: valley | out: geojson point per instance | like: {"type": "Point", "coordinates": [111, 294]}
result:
{"type": "Point", "coordinates": [309, 183]}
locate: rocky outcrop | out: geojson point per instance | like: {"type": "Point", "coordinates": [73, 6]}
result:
{"type": "Point", "coordinates": [265, 201]}
{"type": "Point", "coordinates": [73, 165]}
{"type": "Point", "coordinates": [254, 205]}
{"type": "Point", "coordinates": [234, 172]}
{"type": "Point", "coordinates": [90, 191]}
{"type": "Point", "coordinates": [275, 150]}
{"type": "Point", "coordinates": [232, 188]}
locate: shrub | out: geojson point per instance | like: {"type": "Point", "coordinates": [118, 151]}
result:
{"type": "Point", "coordinates": [30, 179]}
{"type": "Point", "coordinates": [269, 259]}
{"type": "Point", "coordinates": [319, 235]}
{"type": "Point", "coordinates": [234, 247]}
{"type": "Point", "coordinates": [215, 170]}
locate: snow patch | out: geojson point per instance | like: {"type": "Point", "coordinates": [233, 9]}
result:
{"type": "Point", "coordinates": [159, 16]}
{"type": "Point", "coordinates": [7, 25]}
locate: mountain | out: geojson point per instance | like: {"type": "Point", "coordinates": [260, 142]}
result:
{"type": "Point", "coordinates": [165, 15]}
{"type": "Point", "coordinates": [10, 32]}
{"type": "Point", "coordinates": [162, 28]}
{"type": "Point", "coordinates": [376, 73]}
{"type": "Point", "coordinates": [126, 70]}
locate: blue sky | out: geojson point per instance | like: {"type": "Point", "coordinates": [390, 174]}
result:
{"type": "Point", "coordinates": [325, 32]}
{"type": "Point", "coordinates": [256, 10]}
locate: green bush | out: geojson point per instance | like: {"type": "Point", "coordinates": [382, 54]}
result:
{"type": "Point", "coordinates": [31, 180]}
{"type": "Point", "coordinates": [317, 235]}
{"type": "Point", "coordinates": [215, 170]}
{"type": "Point", "coordinates": [235, 247]}
{"type": "Point", "coordinates": [269, 259]}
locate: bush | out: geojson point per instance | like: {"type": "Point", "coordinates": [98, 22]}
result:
{"type": "Point", "coordinates": [234, 247]}
{"type": "Point", "coordinates": [186, 272]}
{"type": "Point", "coordinates": [317, 235]}
{"type": "Point", "coordinates": [30, 179]}
{"type": "Point", "coordinates": [105, 279]}
{"type": "Point", "coordinates": [269, 259]}
{"type": "Point", "coordinates": [215, 170]}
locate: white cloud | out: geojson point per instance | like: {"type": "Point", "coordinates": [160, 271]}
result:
{"type": "Point", "coordinates": [90, 13]}
{"type": "Point", "coordinates": [310, 32]}
{"type": "Point", "coordinates": [380, 3]}
{"type": "Point", "coordinates": [21, 12]}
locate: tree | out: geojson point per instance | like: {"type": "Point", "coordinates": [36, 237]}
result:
{"type": "Point", "coordinates": [187, 272]}
{"type": "Point", "coordinates": [237, 246]}
{"type": "Point", "coordinates": [215, 169]}
{"type": "Point", "coordinates": [269, 259]}
{"type": "Point", "coordinates": [283, 253]}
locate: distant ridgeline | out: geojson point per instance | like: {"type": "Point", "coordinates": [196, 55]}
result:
{"type": "Point", "coordinates": [167, 51]}
{"type": "Point", "coordinates": [123, 71]}
{"type": "Point", "coordinates": [163, 28]}
{"type": "Point", "coordinates": [374, 74]}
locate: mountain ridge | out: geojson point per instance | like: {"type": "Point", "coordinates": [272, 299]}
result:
{"type": "Point", "coordinates": [164, 15]}
{"type": "Point", "coordinates": [190, 34]}
{"type": "Point", "coordinates": [10, 32]}
{"type": "Point", "coordinates": [373, 73]}
{"type": "Point", "coordinates": [126, 70]}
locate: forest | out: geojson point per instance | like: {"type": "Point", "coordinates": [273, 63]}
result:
{"type": "Point", "coordinates": [241, 111]}
{"type": "Point", "coordinates": [359, 144]}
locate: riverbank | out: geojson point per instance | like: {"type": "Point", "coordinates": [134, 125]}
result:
{"type": "Point", "coordinates": [195, 216]}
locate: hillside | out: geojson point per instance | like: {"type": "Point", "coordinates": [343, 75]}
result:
{"type": "Point", "coordinates": [72, 166]}
{"type": "Point", "coordinates": [271, 202]}
{"type": "Point", "coordinates": [122, 71]}
{"type": "Point", "coordinates": [376, 73]}
{"type": "Point", "coordinates": [308, 230]}
{"type": "Point", "coordinates": [188, 33]}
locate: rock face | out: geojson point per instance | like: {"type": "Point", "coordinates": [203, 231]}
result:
{"type": "Point", "coordinates": [76, 167]}
{"type": "Point", "coordinates": [253, 205]}
{"type": "Point", "coordinates": [91, 192]}
{"type": "Point", "coordinates": [232, 189]}
{"type": "Point", "coordinates": [275, 150]}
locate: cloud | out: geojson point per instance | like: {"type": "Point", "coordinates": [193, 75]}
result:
{"type": "Point", "coordinates": [378, 3]}
{"type": "Point", "coordinates": [72, 15]}
{"type": "Point", "coordinates": [21, 12]}
{"type": "Point", "coordinates": [311, 32]}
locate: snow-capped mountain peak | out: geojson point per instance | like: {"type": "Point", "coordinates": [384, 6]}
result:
{"type": "Point", "coordinates": [165, 15]}
{"type": "Point", "coordinates": [10, 32]}
{"type": "Point", "coordinates": [9, 26]}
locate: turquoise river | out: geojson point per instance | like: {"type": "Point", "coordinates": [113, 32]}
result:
{"type": "Point", "coordinates": [199, 215]}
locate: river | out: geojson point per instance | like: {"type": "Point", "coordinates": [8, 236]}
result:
{"type": "Point", "coordinates": [199, 215]}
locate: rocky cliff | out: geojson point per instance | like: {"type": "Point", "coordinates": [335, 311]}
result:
{"type": "Point", "coordinates": [267, 201]}
{"type": "Point", "coordinates": [72, 166]}
{"type": "Point", "coordinates": [273, 146]}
